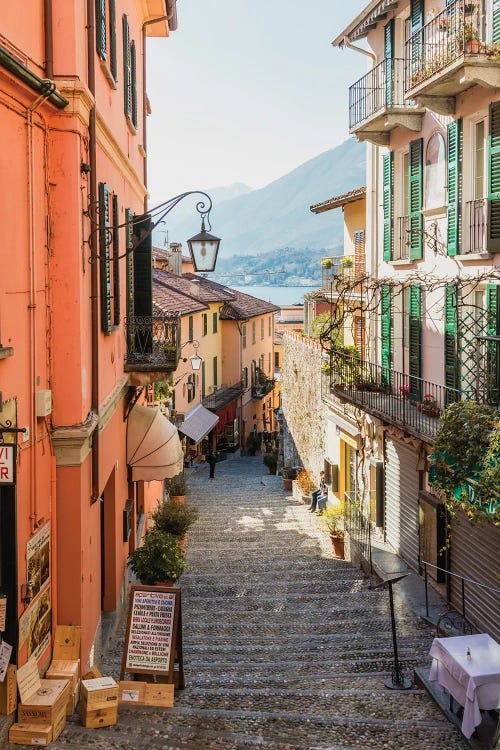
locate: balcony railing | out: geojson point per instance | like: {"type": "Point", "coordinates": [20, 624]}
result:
{"type": "Point", "coordinates": [380, 89]}
{"type": "Point", "coordinates": [153, 343]}
{"type": "Point", "coordinates": [223, 396]}
{"type": "Point", "coordinates": [262, 388]}
{"type": "Point", "coordinates": [341, 269]}
{"type": "Point", "coordinates": [475, 224]}
{"type": "Point", "coordinates": [403, 240]}
{"type": "Point", "coordinates": [410, 402]}
{"type": "Point", "coordinates": [456, 31]}
{"type": "Point", "coordinates": [357, 525]}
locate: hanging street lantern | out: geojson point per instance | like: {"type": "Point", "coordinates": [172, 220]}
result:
{"type": "Point", "coordinates": [203, 248]}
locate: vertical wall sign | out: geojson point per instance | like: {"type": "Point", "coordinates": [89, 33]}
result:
{"type": "Point", "coordinates": [7, 463]}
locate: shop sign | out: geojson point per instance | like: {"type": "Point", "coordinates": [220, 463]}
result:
{"type": "Point", "coordinates": [7, 464]}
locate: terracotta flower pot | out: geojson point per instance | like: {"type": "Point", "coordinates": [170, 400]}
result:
{"type": "Point", "coordinates": [287, 485]}
{"type": "Point", "coordinates": [338, 546]}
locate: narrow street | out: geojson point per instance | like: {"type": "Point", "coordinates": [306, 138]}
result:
{"type": "Point", "coordinates": [284, 647]}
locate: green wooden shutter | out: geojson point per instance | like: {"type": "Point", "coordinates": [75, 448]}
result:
{"type": "Point", "coordinates": [191, 328]}
{"type": "Point", "coordinates": [133, 83]}
{"type": "Point", "coordinates": [416, 15]}
{"type": "Point", "coordinates": [388, 203]}
{"type": "Point", "coordinates": [143, 267]}
{"type": "Point", "coordinates": [496, 22]}
{"type": "Point", "coordinates": [127, 94]}
{"type": "Point", "coordinates": [454, 186]}
{"type": "Point", "coordinates": [100, 28]}
{"type": "Point", "coordinates": [451, 365]}
{"type": "Point", "coordinates": [493, 347]}
{"type": "Point", "coordinates": [388, 63]}
{"type": "Point", "coordinates": [415, 191]}
{"type": "Point", "coordinates": [129, 263]}
{"type": "Point", "coordinates": [112, 40]}
{"type": "Point", "coordinates": [203, 380]}
{"type": "Point", "coordinates": [494, 179]}
{"type": "Point", "coordinates": [116, 263]}
{"type": "Point", "coordinates": [386, 332]}
{"type": "Point", "coordinates": [415, 341]}
{"type": "Point", "coordinates": [104, 254]}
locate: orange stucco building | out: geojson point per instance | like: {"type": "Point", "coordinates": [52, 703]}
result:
{"type": "Point", "coordinates": [72, 121]}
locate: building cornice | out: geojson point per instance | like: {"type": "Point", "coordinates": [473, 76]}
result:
{"type": "Point", "coordinates": [80, 100]}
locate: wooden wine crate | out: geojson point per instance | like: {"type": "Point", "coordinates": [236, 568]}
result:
{"type": "Point", "coordinates": [8, 691]}
{"type": "Point", "coordinates": [69, 670]}
{"type": "Point", "coordinates": [46, 704]}
{"type": "Point", "coordinates": [31, 734]}
{"type": "Point", "coordinates": [59, 723]}
{"type": "Point", "coordinates": [159, 695]}
{"type": "Point", "coordinates": [99, 693]}
{"type": "Point", "coordinates": [105, 716]}
{"type": "Point", "coordinates": [131, 692]}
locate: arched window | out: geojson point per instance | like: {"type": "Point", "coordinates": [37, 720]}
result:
{"type": "Point", "coordinates": [435, 172]}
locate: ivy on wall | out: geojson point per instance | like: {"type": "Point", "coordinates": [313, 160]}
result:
{"type": "Point", "coordinates": [465, 464]}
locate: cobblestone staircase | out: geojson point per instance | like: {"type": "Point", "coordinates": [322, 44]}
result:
{"type": "Point", "coordinates": [285, 648]}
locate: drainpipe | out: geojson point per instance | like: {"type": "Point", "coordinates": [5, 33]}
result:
{"type": "Point", "coordinates": [348, 44]}
{"type": "Point", "coordinates": [49, 41]}
{"type": "Point", "coordinates": [171, 11]}
{"type": "Point", "coordinates": [94, 267]}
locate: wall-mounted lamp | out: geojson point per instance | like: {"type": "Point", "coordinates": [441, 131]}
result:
{"type": "Point", "coordinates": [195, 358]}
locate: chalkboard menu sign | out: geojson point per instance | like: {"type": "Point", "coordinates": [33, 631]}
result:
{"type": "Point", "coordinates": [153, 638]}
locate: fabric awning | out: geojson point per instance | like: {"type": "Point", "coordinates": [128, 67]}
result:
{"type": "Point", "coordinates": [154, 451]}
{"type": "Point", "coordinates": [198, 423]}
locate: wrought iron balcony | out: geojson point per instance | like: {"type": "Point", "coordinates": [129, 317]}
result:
{"type": "Point", "coordinates": [340, 270]}
{"type": "Point", "coordinates": [153, 343]}
{"type": "Point", "coordinates": [262, 387]}
{"type": "Point", "coordinates": [412, 403]}
{"type": "Point", "coordinates": [449, 55]}
{"type": "Point", "coordinates": [475, 227]}
{"type": "Point", "coordinates": [223, 396]}
{"type": "Point", "coordinates": [377, 103]}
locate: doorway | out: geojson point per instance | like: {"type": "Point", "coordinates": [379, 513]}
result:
{"type": "Point", "coordinates": [8, 561]}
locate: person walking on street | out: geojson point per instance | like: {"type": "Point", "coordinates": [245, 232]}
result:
{"type": "Point", "coordinates": [211, 460]}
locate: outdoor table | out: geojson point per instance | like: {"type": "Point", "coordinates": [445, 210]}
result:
{"type": "Point", "coordinates": [473, 680]}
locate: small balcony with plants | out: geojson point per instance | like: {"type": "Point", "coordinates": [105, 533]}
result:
{"type": "Point", "coordinates": [448, 55]}
{"type": "Point", "coordinates": [340, 271]}
{"type": "Point", "coordinates": [377, 104]}
{"type": "Point", "coordinates": [262, 385]}
{"type": "Point", "coordinates": [398, 398]}
{"type": "Point", "coordinates": [153, 343]}
{"type": "Point", "coordinates": [222, 396]}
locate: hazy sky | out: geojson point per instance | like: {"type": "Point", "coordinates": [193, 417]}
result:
{"type": "Point", "coordinates": [246, 91]}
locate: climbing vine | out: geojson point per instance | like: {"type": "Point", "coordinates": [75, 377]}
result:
{"type": "Point", "coordinates": [465, 464]}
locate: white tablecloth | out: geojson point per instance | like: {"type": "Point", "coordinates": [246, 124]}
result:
{"type": "Point", "coordinates": [473, 681]}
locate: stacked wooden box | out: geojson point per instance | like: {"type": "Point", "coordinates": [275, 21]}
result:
{"type": "Point", "coordinates": [8, 691]}
{"type": "Point", "coordinates": [99, 702]}
{"type": "Point", "coordinates": [66, 663]}
{"type": "Point", "coordinates": [42, 710]}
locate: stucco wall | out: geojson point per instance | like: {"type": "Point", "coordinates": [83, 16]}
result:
{"type": "Point", "coordinates": [303, 409]}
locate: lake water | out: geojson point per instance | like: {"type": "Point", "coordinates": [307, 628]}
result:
{"type": "Point", "coordinates": [278, 295]}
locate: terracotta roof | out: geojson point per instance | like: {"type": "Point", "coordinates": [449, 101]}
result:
{"type": "Point", "coordinates": [197, 287]}
{"type": "Point", "coordinates": [245, 306]}
{"type": "Point", "coordinates": [339, 200]}
{"type": "Point", "coordinates": [165, 254]}
{"type": "Point", "coordinates": [166, 298]}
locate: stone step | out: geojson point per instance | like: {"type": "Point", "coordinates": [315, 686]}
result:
{"type": "Point", "coordinates": [307, 646]}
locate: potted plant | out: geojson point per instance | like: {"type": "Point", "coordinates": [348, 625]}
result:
{"type": "Point", "coordinates": [305, 484]}
{"type": "Point", "coordinates": [288, 475]}
{"type": "Point", "coordinates": [346, 262]}
{"type": "Point", "coordinates": [177, 488]}
{"type": "Point", "coordinates": [334, 520]}
{"type": "Point", "coordinates": [252, 444]}
{"type": "Point", "coordinates": [326, 262]}
{"type": "Point", "coordinates": [158, 561]}
{"type": "Point", "coordinates": [271, 461]}
{"type": "Point", "coordinates": [174, 518]}
{"type": "Point", "coordinates": [404, 390]}
{"type": "Point", "coordinates": [429, 406]}
{"type": "Point", "coordinates": [471, 39]}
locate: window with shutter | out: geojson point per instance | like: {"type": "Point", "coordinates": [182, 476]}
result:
{"type": "Point", "coordinates": [191, 328]}
{"type": "Point", "coordinates": [143, 270]}
{"type": "Point", "coordinates": [214, 322]}
{"type": "Point", "coordinates": [100, 28]}
{"type": "Point", "coordinates": [203, 380]}
{"type": "Point", "coordinates": [416, 15]}
{"type": "Point", "coordinates": [493, 347]}
{"type": "Point", "coordinates": [133, 84]}
{"type": "Point", "coordinates": [494, 179]}
{"type": "Point", "coordinates": [129, 263]}
{"type": "Point", "coordinates": [104, 254]}
{"type": "Point", "coordinates": [415, 341]}
{"type": "Point", "coordinates": [451, 366]}
{"type": "Point", "coordinates": [116, 265]}
{"type": "Point", "coordinates": [415, 196]}
{"type": "Point", "coordinates": [454, 186]}
{"type": "Point", "coordinates": [127, 94]}
{"type": "Point", "coordinates": [389, 65]}
{"type": "Point", "coordinates": [386, 332]}
{"type": "Point", "coordinates": [388, 204]}
{"type": "Point", "coordinates": [113, 66]}
{"type": "Point", "coordinates": [495, 26]}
